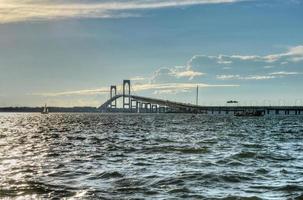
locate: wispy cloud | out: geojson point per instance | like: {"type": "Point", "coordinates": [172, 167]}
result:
{"type": "Point", "coordinates": [137, 78]}
{"type": "Point", "coordinates": [74, 92]}
{"type": "Point", "coordinates": [24, 10]}
{"type": "Point", "coordinates": [272, 75]}
{"type": "Point", "coordinates": [294, 54]}
{"type": "Point", "coordinates": [173, 74]}
{"type": "Point", "coordinates": [250, 77]}
{"type": "Point", "coordinates": [269, 67]}
{"type": "Point", "coordinates": [234, 67]}
{"type": "Point", "coordinates": [176, 87]}
{"type": "Point", "coordinates": [285, 73]}
{"type": "Point", "coordinates": [187, 73]}
{"type": "Point", "coordinates": [249, 67]}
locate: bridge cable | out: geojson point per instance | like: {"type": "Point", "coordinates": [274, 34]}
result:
{"type": "Point", "coordinates": [132, 90]}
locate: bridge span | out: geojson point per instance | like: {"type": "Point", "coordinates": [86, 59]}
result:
{"type": "Point", "coordinates": [146, 104]}
{"type": "Point", "coordinates": [139, 104]}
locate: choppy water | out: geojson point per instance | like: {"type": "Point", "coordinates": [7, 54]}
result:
{"type": "Point", "coordinates": [166, 156]}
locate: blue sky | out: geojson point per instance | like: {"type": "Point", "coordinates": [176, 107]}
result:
{"type": "Point", "coordinates": [67, 53]}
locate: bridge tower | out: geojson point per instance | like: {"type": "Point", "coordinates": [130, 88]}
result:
{"type": "Point", "coordinates": [113, 92]}
{"type": "Point", "coordinates": [126, 94]}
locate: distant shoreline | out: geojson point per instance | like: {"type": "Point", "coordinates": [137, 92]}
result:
{"type": "Point", "coordinates": [51, 109]}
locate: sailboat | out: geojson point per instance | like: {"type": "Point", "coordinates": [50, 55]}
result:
{"type": "Point", "coordinates": [45, 110]}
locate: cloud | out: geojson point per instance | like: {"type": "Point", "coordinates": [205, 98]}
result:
{"type": "Point", "coordinates": [172, 74]}
{"type": "Point", "coordinates": [159, 92]}
{"type": "Point", "coordinates": [175, 87]}
{"type": "Point", "coordinates": [209, 71]}
{"type": "Point", "coordinates": [238, 77]}
{"type": "Point", "coordinates": [294, 54]}
{"type": "Point", "coordinates": [187, 73]}
{"type": "Point", "coordinates": [268, 67]}
{"type": "Point", "coordinates": [25, 10]}
{"type": "Point", "coordinates": [285, 73]}
{"type": "Point", "coordinates": [74, 92]}
{"type": "Point", "coordinates": [249, 67]}
{"type": "Point", "coordinates": [137, 78]}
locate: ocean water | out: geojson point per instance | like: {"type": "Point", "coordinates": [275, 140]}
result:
{"type": "Point", "coordinates": [142, 156]}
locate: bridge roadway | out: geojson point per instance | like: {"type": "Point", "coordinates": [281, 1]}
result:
{"type": "Point", "coordinates": [191, 108]}
{"type": "Point", "coordinates": [160, 102]}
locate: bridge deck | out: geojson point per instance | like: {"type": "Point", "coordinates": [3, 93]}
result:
{"type": "Point", "coordinates": [186, 107]}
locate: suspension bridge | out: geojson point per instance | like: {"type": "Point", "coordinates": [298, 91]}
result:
{"type": "Point", "coordinates": [140, 104]}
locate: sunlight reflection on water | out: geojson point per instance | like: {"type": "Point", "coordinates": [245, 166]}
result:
{"type": "Point", "coordinates": [113, 156]}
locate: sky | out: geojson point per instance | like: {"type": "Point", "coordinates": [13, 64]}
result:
{"type": "Point", "coordinates": [69, 52]}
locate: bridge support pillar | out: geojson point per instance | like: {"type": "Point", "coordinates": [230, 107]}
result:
{"type": "Point", "coordinates": [145, 107]}
{"type": "Point", "coordinates": [154, 109]}
{"type": "Point", "coordinates": [161, 109]}
{"type": "Point", "coordinates": [166, 109]}
{"type": "Point", "coordinates": [126, 94]}
{"type": "Point", "coordinates": [141, 107]}
{"type": "Point", "coordinates": [148, 107]}
{"type": "Point", "coordinates": [138, 107]}
{"type": "Point", "coordinates": [113, 92]}
{"type": "Point", "coordinates": [134, 107]}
